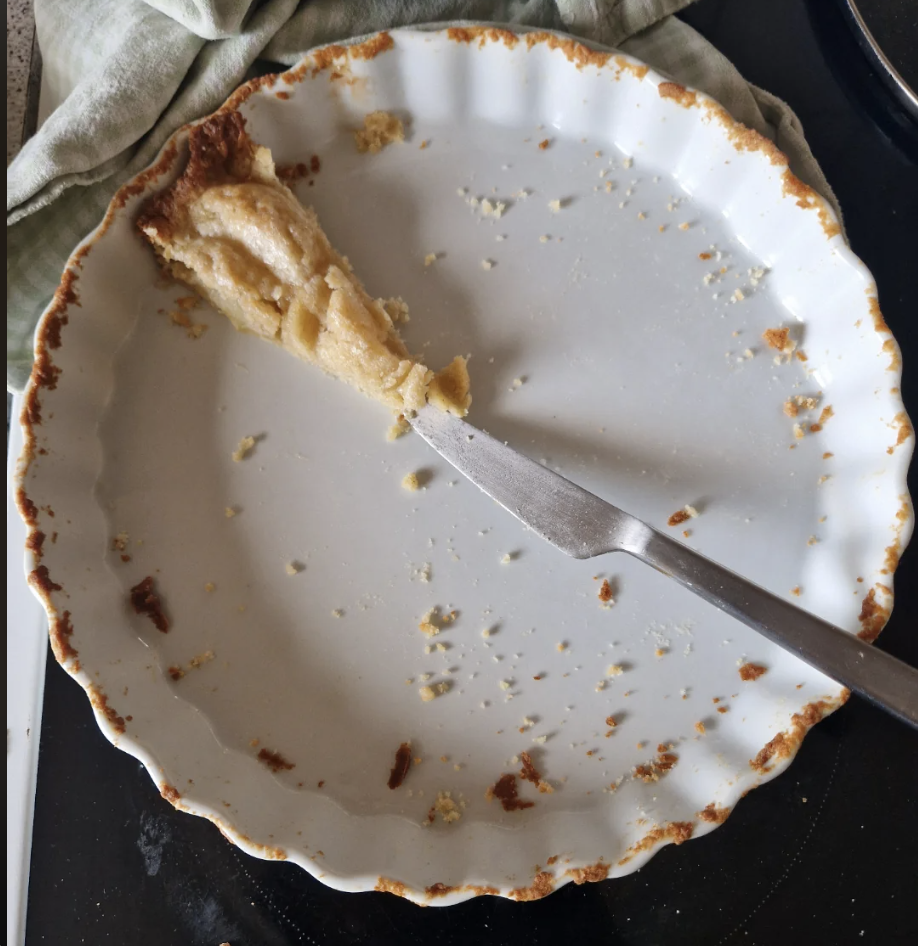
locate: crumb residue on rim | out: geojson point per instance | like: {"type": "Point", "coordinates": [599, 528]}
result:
{"type": "Point", "coordinates": [676, 832]}
{"type": "Point", "coordinates": [786, 743]}
{"type": "Point", "coordinates": [713, 815]}
{"type": "Point", "coordinates": [542, 885]}
{"type": "Point", "coordinates": [101, 705]}
{"type": "Point", "coordinates": [873, 617]}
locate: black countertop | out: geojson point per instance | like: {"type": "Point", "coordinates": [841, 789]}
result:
{"type": "Point", "coordinates": [825, 854]}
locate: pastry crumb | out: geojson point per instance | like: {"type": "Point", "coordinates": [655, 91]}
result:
{"type": "Point", "coordinates": [427, 625]}
{"type": "Point", "coordinates": [411, 482]}
{"type": "Point", "coordinates": [605, 594]}
{"type": "Point", "coordinates": [446, 807]}
{"type": "Point", "coordinates": [779, 339]}
{"type": "Point", "coordinates": [398, 429]}
{"type": "Point", "coordinates": [246, 446]}
{"type": "Point", "coordinates": [428, 692]}
{"type": "Point", "coordinates": [487, 264]}
{"type": "Point", "coordinates": [229, 512]}
{"type": "Point", "coordinates": [293, 568]}
{"type": "Point", "coordinates": [379, 130]}
{"type": "Point", "coordinates": [430, 259]}
{"type": "Point", "coordinates": [614, 670]}
{"type": "Point", "coordinates": [699, 728]}
{"type": "Point", "coordinates": [209, 586]}
{"type": "Point", "coordinates": [201, 659]}
{"type": "Point", "coordinates": [749, 671]}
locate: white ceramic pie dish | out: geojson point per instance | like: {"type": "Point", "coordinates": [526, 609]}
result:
{"type": "Point", "coordinates": [635, 382]}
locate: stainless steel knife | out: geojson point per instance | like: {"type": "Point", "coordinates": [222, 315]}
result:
{"type": "Point", "coordinates": [583, 525]}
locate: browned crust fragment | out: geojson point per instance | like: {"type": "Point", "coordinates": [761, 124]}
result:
{"type": "Point", "coordinates": [778, 338]}
{"type": "Point", "coordinates": [750, 671]}
{"type": "Point", "coordinates": [677, 518]}
{"type": "Point", "coordinates": [170, 793]}
{"type": "Point", "coordinates": [219, 152]}
{"type": "Point", "coordinates": [146, 600]}
{"type": "Point", "coordinates": [275, 761]}
{"type": "Point", "coordinates": [439, 890]}
{"type": "Point", "coordinates": [61, 632]}
{"type": "Point", "coordinates": [34, 542]}
{"type": "Point", "coordinates": [402, 764]}
{"type": "Point", "coordinates": [41, 581]}
{"type": "Point", "coordinates": [505, 791]}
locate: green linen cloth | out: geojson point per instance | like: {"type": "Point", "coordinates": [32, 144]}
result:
{"type": "Point", "coordinates": [128, 73]}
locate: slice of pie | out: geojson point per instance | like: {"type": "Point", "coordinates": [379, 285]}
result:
{"type": "Point", "coordinates": [230, 229]}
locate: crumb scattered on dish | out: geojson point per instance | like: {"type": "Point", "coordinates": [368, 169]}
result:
{"type": "Point", "coordinates": [506, 792]}
{"type": "Point", "coordinates": [274, 760]}
{"type": "Point", "coordinates": [246, 446]}
{"type": "Point", "coordinates": [605, 594]}
{"type": "Point", "coordinates": [683, 515]}
{"type": "Point", "coordinates": [401, 765]}
{"type": "Point", "coordinates": [749, 671]}
{"type": "Point", "coordinates": [446, 808]}
{"type": "Point", "coordinates": [398, 429]}
{"type": "Point", "coordinates": [379, 130]}
{"type": "Point", "coordinates": [145, 600]}
{"type": "Point", "coordinates": [430, 692]}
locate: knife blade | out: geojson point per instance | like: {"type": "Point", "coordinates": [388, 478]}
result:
{"type": "Point", "coordinates": [583, 525]}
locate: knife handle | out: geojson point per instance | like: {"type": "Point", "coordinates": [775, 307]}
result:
{"type": "Point", "coordinates": [876, 675]}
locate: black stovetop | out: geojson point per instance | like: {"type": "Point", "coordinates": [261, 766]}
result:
{"type": "Point", "coordinates": [825, 854]}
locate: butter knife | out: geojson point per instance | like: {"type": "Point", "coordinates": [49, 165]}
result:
{"type": "Point", "coordinates": [582, 525]}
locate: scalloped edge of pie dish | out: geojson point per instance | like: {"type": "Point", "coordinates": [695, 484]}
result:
{"type": "Point", "coordinates": [555, 872]}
